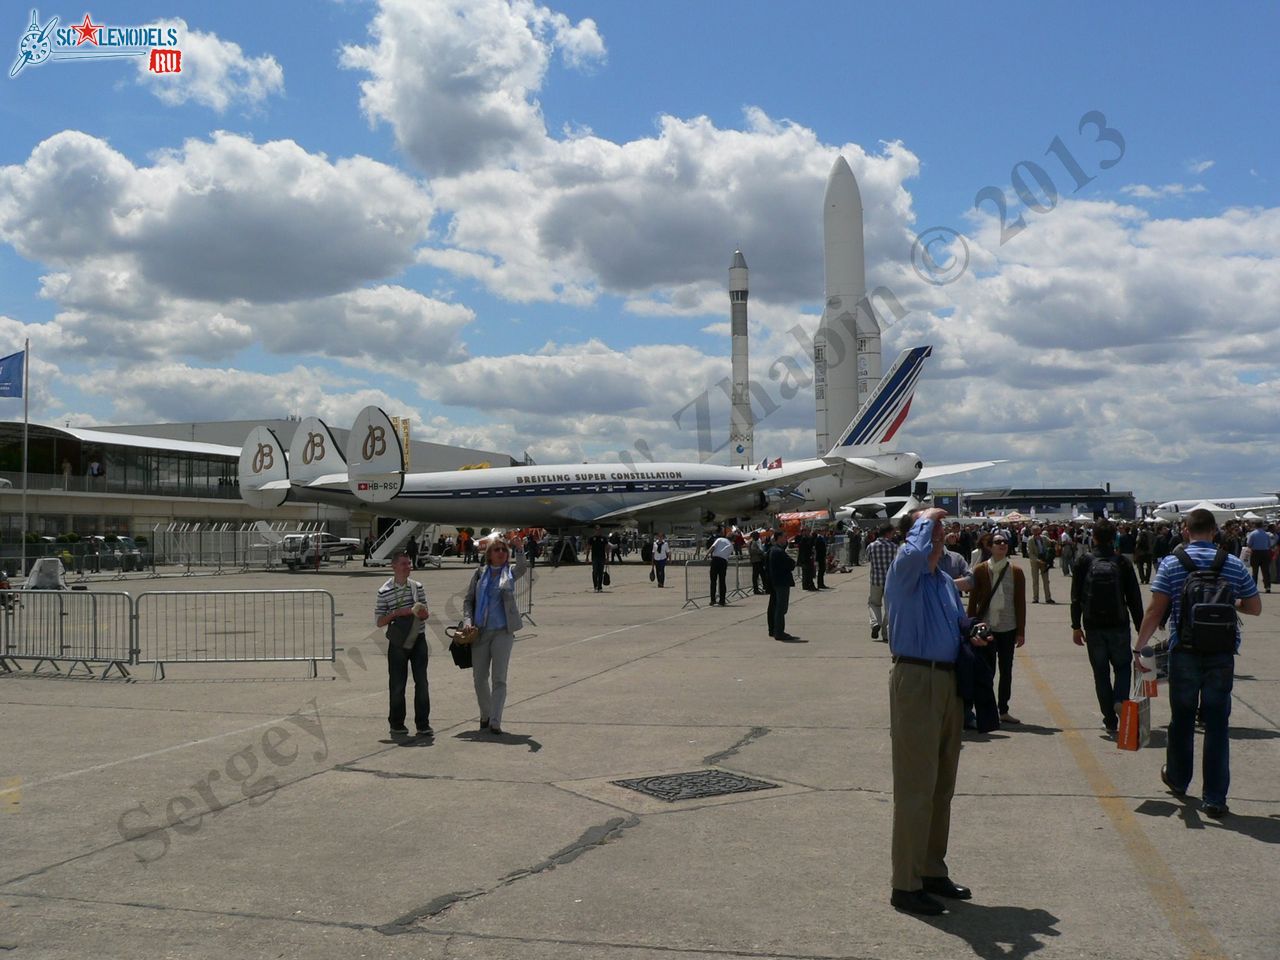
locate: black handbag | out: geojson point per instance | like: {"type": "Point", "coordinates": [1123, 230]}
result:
{"type": "Point", "coordinates": [607, 579]}
{"type": "Point", "coordinates": [461, 653]}
{"type": "Point", "coordinates": [653, 575]}
{"type": "Point", "coordinates": [460, 639]}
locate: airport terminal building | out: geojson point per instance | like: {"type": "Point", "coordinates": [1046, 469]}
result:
{"type": "Point", "coordinates": [1060, 503]}
{"type": "Point", "coordinates": [127, 480]}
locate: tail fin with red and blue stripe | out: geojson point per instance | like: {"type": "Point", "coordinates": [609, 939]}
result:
{"type": "Point", "coordinates": [887, 407]}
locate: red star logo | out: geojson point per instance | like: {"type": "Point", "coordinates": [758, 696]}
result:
{"type": "Point", "coordinates": [88, 31]}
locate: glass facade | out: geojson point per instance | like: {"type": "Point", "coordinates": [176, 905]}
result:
{"type": "Point", "coordinates": [57, 461]}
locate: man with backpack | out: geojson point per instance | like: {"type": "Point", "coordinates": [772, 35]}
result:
{"type": "Point", "coordinates": [1105, 598]}
{"type": "Point", "coordinates": [1203, 588]}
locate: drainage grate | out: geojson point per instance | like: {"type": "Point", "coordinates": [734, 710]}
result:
{"type": "Point", "coordinates": [694, 785]}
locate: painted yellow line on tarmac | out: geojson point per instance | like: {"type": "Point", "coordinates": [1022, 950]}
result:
{"type": "Point", "coordinates": [1152, 867]}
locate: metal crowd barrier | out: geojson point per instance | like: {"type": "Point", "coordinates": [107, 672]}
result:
{"type": "Point", "coordinates": [67, 626]}
{"type": "Point", "coordinates": [524, 595]}
{"type": "Point", "coordinates": [235, 626]}
{"type": "Point", "coordinates": [80, 628]}
{"type": "Point", "coordinates": [735, 589]}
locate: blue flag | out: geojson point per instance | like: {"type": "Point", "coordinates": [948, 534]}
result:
{"type": "Point", "coordinates": [11, 374]}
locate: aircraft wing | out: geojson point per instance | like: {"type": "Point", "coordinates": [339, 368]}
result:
{"type": "Point", "coordinates": [947, 469]}
{"type": "Point", "coordinates": [730, 498]}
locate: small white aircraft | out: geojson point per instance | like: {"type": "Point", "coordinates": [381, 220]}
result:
{"type": "Point", "coordinates": [572, 495]}
{"type": "Point", "coordinates": [1227, 508]}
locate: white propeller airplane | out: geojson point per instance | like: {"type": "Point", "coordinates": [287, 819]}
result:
{"type": "Point", "coordinates": [570, 495]}
{"type": "Point", "coordinates": [1227, 508]}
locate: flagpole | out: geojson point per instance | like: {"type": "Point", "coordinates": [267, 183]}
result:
{"type": "Point", "coordinates": [26, 401]}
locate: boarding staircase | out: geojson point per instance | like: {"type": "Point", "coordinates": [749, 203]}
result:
{"type": "Point", "coordinates": [395, 538]}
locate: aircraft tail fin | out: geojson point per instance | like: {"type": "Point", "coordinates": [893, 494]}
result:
{"type": "Point", "coordinates": [375, 460]}
{"type": "Point", "coordinates": [314, 453]}
{"type": "Point", "coordinates": [264, 471]}
{"type": "Point", "coordinates": [886, 408]}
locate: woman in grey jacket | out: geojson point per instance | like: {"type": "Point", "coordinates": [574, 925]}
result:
{"type": "Point", "coordinates": [491, 605]}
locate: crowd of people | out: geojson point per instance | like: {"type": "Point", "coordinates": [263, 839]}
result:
{"type": "Point", "coordinates": [939, 645]}
{"type": "Point", "coordinates": [952, 608]}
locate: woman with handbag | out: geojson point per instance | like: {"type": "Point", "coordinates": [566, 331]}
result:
{"type": "Point", "coordinates": [999, 597]}
{"type": "Point", "coordinates": [490, 605]}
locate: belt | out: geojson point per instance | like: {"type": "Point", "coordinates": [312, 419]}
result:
{"type": "Point", "coordinates": [933, 664]}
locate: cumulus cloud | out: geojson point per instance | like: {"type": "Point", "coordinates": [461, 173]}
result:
{"type": "Point", "coordinates": [215, 73]}
{"type": "Point", "coordinates": [217, 220]}
{"type": "Point", "coordinates": [455, 79]}
{"type": "Point", "coordinates": [178, 392]}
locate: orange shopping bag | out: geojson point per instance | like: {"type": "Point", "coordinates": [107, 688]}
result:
{"type": "Point", "coordinates": [1135, 718]}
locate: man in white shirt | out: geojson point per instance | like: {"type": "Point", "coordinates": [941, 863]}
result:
{"type": "Point", "coordinates": [661, 553]}
{"type": "Point", "coordinates": [721, 551]}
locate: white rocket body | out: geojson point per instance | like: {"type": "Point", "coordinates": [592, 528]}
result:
{"type": "Point", "coordinates": [741, 427]}
{"type": "Point", "coordinates": [846, 348]}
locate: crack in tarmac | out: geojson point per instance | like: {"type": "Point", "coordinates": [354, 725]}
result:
{"type": "Point", "coordinates": [754, 734]}
{"type": "Point", "coordinates": [593, 837]}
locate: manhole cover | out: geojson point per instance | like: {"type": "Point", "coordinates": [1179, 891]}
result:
{"type": "Point", "coordinates": [695, 785]}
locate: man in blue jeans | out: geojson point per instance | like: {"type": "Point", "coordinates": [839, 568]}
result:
{"type": "Point", "coordinates": [1198, 678]}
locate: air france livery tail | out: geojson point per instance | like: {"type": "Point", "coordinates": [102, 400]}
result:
{"type": "Point", "coordinates": [886, 408]}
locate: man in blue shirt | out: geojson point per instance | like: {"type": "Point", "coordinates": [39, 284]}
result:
{"type": "Point", "coordinates": [1203, 679]}
{"type": "Point", "coordinates": [1260, 543]}
{"type": "Point", "coordinates": [926, 622]}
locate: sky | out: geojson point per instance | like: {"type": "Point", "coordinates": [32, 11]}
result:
{"type": "Point", "coordinates": [513, 223]}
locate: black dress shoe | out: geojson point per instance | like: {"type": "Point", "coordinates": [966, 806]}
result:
{"type": "Point", "coordinates": [790, 638]}
{"type": "Point", "coordinates": [1216, 810]}
{"type": "Point", "coordinates": [1164, 778]}
{"type": "Point", "coordinates": [916, 901]}
{"type": "Point", "coordinates": [943, 887]}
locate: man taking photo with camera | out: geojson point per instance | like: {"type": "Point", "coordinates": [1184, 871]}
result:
{"type": "Point", "coordinates": [927, 624]}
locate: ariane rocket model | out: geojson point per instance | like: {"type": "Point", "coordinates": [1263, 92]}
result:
{"type": "Point", "coordinates": [741, 427]}
{"type": "Point", "coordinates": [846, 348]}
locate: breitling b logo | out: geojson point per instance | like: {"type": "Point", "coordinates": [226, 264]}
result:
{"type": "Point", "coordinates": [375, 442]}
{"type": "Point", "coordinates": [314, 448]}
{"type": "Point", "coordinates": [265, 458]}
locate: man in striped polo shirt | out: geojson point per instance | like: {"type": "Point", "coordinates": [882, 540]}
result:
{"type": "Point", "coordinates": [1203, 679]}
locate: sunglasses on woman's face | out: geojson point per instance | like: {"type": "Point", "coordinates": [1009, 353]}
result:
{"type": "Point", "coordinates": [999, 543]}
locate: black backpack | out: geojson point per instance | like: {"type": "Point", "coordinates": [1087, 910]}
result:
{"type": "Point", "coordinates": [1103, 592]}
{"type": "Point", "coordinates": [1207, 610]}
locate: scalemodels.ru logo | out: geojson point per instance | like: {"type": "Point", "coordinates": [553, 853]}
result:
{"type": "Point", "coordinates": [98, 41]}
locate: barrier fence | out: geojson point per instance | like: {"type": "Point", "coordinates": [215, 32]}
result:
{"type": "Point", "coordinates": [524, 596]}
{"type": "Point", "coordinates": [64, 626]}
{"type": "Point", "coordinates": [158, 628]}
{"type": "Point", "coordinates": [697, 581]}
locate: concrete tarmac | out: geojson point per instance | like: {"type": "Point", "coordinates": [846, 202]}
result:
{"type": "Point", "coordinates": [245, 811]}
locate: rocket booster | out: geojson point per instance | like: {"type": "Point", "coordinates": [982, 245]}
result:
{"type": "Point", "coordinates": [740, 419]}
{"type": "Point", "coordinates": [846, 348]}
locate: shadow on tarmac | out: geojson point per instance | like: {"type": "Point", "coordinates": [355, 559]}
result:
{"type": "Point", "coordinates": [1025, 727]}
{"type": "Point", "coordinates": [997, 933]}
{"type": "Point", "coordinates": [1262, 829]}
{"type": "Point", "coordinates": [504, 739]}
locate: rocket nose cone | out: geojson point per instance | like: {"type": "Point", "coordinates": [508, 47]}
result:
{"type": "Point", "coordinates": [842, 185]}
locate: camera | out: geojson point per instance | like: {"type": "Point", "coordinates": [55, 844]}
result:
{"type": "Point", "coordinates": [979, 631]}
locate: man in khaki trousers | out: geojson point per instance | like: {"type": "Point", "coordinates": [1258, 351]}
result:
{"type": "Point", "coordinates": [926, 621]}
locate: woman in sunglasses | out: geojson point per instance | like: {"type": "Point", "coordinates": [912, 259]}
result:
{"type": "Point", "coordinates": [491, 605]}
{"type": "Point", "coordinates": [999, 597]}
